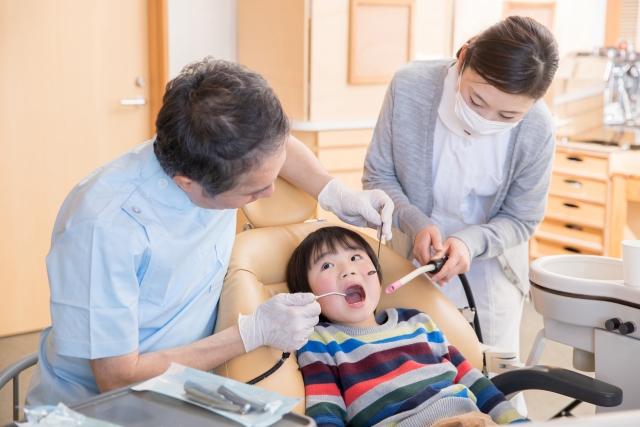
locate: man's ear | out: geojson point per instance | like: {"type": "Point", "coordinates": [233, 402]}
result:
{"type": "Point", "coordinates": [463, 51]}
{"type": "Point", "coordinates": [184, 182]}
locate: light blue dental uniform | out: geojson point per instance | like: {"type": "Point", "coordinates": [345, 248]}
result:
{"type": "Point", "coordinates": [133, 264]}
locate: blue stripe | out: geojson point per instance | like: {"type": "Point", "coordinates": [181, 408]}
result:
{"type": "Point", "coordinates": [485, 395]}
{"type": "Point", "coordinates": [331, 419]}
{"type": "Point", "coordinates": [352, 344]}
{"type": "Point", "coordinates": [385, 412]}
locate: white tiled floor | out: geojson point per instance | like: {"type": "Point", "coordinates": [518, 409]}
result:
{"type": "Point", "coordinates": [541, 405]}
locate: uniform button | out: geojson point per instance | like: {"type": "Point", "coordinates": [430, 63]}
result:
{"type": "Point", "coordinates": [136, 209]}
{"type": "Point", "coordinates": [162, 183]}
{"type": "Point", "coordinates": [148, 197]}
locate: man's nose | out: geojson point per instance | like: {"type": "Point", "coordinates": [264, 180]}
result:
{"type": "Point", "coordinates": [267, 192]}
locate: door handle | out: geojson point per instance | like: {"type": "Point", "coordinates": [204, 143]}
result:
{"type": "Point", "coordinates": [138, 101]}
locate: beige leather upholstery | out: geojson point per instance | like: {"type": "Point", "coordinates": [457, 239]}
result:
{"type": "Point", "coordinates": [287, 205]}
{"type": "Point", "coordinates": [257, 271]}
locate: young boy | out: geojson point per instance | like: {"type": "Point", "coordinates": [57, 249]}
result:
{"type": "Point", "coordinates": [394, 368]}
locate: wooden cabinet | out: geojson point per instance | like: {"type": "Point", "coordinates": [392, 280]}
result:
{"type": "Point", "coordinates": [301, 47]}
{"type": "Point", "coordinates": [582, 214]}
{"type": "Point", "coordinates": [341, 152]}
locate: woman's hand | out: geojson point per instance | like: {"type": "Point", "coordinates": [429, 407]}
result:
{"type": "Point", "coordinates": [458, 262]}
{"type": "Point", "coordinates": [425, 239]}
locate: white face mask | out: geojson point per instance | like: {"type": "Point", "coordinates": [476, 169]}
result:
{"type": "Point", "coordinates": [474, 123]}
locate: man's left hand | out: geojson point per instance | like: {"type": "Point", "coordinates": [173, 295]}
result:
{"type": "Point", "coordinates": [363, 208]}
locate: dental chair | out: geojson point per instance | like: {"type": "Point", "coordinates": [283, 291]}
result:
{"type": "Point", "coordinates": [257, 272]}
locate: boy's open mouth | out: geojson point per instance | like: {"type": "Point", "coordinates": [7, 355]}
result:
{"type": "Point", "coordinates": [355, 294]}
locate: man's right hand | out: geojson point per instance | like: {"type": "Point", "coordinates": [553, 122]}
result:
{"type": "Point", "coordinates": [284, 322]}
{"type": "Point", "coordinates": [425, 239]}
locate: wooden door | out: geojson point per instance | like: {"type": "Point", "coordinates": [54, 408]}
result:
{"type": "Point", "coordinates": [65, 66]}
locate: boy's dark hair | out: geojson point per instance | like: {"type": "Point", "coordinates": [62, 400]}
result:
{"type": "Point", "coordinates": [218, 121]}
{"type": "Point", "coordinates": [517, 55]}
{"type": "Point", "coordinates": [325, 238]}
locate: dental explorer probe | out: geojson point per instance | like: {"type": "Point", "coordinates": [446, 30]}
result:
{"type": "Point", "coordinates": [330, 293]}
{"type": "Point", "coordinates": [432, 266]}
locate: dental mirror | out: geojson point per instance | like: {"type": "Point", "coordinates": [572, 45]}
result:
{"type": "Point", "coordinates": [330, 293]}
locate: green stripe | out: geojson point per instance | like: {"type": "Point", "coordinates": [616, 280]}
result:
{"type": "Point", "coordinates": [479, 385]}
{"type": "Point", "coordinates": [398, 395]}
{"type": "Point", "coordinates": [326, 408]}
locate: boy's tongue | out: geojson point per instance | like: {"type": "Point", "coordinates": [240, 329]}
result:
{"type": "Point", "coordinates": [355, 294]}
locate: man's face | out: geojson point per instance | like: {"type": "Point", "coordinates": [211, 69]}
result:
{"type": "Point", "coordinates": [252, 186]}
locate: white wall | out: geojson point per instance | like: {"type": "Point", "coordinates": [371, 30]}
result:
{"type": "Point", "coordinates": [578, 25]}
{"type": "Point", "coordinates": [198, 28]}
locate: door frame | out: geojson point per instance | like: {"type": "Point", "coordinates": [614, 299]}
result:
{"type": "Point", "coordinates": [158, 57]}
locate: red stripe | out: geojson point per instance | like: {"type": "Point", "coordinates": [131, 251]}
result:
{"type": "Point", "coordinates": [322, 390]}
{"type": "Point", "coordinates": [359, 389]}
{"type": "Point", "coordinates": [463, 369]}
{"type": "Point", "coordinates": [383, 356]}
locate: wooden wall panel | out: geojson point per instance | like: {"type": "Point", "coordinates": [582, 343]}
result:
{"type": "Point", "coordinates": [273, 39]}
{"type": "Point", "coordinates": [331, 95]}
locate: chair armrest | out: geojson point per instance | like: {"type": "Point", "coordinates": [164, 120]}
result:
{"type": "Point", "coordinates": [561, 381]}
{"type": "Point", "coordinates": [8, 373]}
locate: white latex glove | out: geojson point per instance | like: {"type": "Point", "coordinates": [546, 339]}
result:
{"type": "Point", "coordinates": [362, 208]}
{"type": "Point", "coordinates": [285, 322]}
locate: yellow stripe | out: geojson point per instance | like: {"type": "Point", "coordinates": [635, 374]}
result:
{"type": "Point", "coordinates": [507, 417]}
{"type": "Point", "coordinates": [340, 337]}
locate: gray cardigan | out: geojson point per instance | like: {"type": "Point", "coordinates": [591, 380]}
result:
{"type": "Point", "coordinates": [400, 157]}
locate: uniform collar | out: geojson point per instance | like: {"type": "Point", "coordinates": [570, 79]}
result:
{"type": "Point", "coordinates": [158, 184]}
{"type": "Point", "coordinates": [446, 110]}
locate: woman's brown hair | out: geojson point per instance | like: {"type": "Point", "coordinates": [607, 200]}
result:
{"type": "Point", "coordinates": [517, 55]}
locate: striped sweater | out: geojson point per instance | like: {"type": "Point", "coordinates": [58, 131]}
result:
{"type": "Point", "coordinates": [401, 372]}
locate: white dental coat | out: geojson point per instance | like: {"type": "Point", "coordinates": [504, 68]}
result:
{"type": "Point", "coordinates": [467, 173]}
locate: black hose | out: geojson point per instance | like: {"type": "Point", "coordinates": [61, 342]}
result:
{"type": "Point", "coordinates": [472, 305]}
{"type": "Point", "coordinates": [260, 377]}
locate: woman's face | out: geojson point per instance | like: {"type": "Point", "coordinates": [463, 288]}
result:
{"type": "Point", "coordinates": [490, 102]}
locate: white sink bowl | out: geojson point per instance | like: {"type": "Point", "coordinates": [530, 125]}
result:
{"type": "Point", "coordinates": [579, 274]}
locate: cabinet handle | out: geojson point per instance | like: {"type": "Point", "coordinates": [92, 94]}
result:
{"type": "Point", "coordinates": [573, 227]}
{"type": "Point", "coordinates": [571, 182]}
{"type": "Point", "coordinates": [570, 249]}
{"type": "Point", "coordinates": [574, 159]}
{"type": "Point", "coordinates": [571, 205]}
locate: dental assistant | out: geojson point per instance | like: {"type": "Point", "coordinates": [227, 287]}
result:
{"type": "Point", "coordinates": [464, 148]}
{"type": "Point", "coordinates": [141, 246]}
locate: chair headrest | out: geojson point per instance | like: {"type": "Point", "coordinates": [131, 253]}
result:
{"type": "Point", "coordinates": [287, 205]}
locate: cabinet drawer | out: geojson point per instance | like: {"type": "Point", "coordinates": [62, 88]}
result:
{"type": "Point", "coordinates": [543, 247]}
{"type": "Point", "coordinates": [337, 159]}
{"type": "Point", "coordinates": [584, 188]}
{"type": "Point", "coordinates": [575, 211]}
{"type": "Point", "coordinates": [580, 164]}
{"type": "Point", "coordinates": [589, 235]}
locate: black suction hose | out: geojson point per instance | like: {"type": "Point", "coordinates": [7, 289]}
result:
{"type": "Point", "coordinates": [472, 305]}
{"type": "Point", "coordinates": [260, 377]}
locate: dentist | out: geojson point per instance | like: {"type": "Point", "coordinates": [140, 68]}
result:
{"type": "Point", "coordinates": [464, 148]}
{"type": "Point", "coordinates": [141, 246]}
